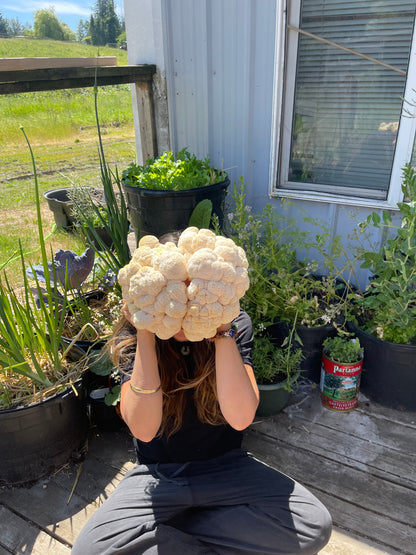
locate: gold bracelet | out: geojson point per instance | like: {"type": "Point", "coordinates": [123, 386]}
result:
{"type": "Point", "coordinates": [144, 391]}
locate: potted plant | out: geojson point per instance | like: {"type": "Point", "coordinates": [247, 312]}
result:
{"type": "Point", "coordinates": [286, 291]}
{"type": "Point", "coordinates": [162, 193]}
{"type": "Point", "coordinates": [342, 362]}
{"type": "Point", "coordinates": [102, 383]}
{"type": "Point", "coordinates": [277, 369]}
{"type": "Point", "coordinates": [384, 316]}
{"type": "Point", "coordinates": [43, 420]}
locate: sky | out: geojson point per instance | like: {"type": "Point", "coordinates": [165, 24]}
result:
{"type": "Point", "coordinates": [70, 12]}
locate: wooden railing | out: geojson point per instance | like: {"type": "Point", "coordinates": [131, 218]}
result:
{"type": "Point", "coordinates": [85, 72]}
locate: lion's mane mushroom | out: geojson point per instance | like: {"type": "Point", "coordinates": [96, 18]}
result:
{"type": "Point", "coordinates": [195, 285]}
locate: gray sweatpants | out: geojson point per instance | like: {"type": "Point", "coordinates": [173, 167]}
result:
{"type": "Point", "coordinates": [230, 504]}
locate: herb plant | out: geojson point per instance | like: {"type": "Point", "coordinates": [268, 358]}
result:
{"type": "Point", "coordinates": [284, 287]}
{"type": "Point", "coordinates": [273, 364]}
{"type": "Point", "coordinates": [166, 172]}
{"type": "Point", "coordinates": [343, 349]}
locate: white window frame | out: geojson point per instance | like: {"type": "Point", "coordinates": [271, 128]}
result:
{"type": "Point", "coordinates": [279, 186]}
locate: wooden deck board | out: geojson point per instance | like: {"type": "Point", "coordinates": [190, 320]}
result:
{"type": "Point", "coordinates": [360, 464]}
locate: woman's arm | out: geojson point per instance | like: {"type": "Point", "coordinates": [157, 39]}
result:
{"type": "Point", "coordinates": [142, 412]}
{"type": "Point", "coordinates": [237, 390]}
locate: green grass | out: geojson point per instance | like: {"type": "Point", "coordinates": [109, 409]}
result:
{"type": "Point", "coordinates": [62, 130]}
{"type": "Point", "coordinates": [50, 115]}
{"type": "Point", "coordinates": [44, 48]}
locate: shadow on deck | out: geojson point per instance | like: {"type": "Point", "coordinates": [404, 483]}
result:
{"type": "Point", "coordinates": [361, 464]}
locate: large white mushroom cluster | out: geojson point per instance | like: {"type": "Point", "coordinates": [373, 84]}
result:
{"type": "Point", "coordinates": [195, 285]}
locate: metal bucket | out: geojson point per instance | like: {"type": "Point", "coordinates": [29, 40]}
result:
{"type": "Point", "coordinates": [340, 384]}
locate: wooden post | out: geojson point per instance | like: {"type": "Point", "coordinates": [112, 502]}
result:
{"type": "Point", "coordinates": [146, 115]}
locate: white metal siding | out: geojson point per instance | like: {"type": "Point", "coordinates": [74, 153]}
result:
{"type": "Point", "coordinates": [219, 61]}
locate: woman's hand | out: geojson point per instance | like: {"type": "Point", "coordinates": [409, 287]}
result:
{"type": "Point", "coordinates": [126, 313]}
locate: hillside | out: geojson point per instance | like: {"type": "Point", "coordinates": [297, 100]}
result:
{"type": "Point", "coordinates": [32, 48]}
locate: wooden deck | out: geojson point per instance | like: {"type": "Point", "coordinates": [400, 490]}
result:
{"type": "Point", "coordinates": [360, 464]}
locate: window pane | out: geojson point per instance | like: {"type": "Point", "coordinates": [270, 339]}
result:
{"type": "Point", "coordinates": [347, 108]}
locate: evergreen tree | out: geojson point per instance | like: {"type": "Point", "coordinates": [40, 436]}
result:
{"type": "Point", "coordinates": [16, 28]}
{"type": "Point", "coordinates": [104, 23]}
{"type": "Point", "coordinates": [4, 26]}
{"type": "Point", "coordinates": [82, 29]}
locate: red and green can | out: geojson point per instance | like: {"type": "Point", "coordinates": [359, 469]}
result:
{"type": "Point", "coordinates": [340, 384]}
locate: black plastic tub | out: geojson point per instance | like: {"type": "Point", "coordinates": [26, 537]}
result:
{"type": "Point", "coordinates": [61, 206]}
{"type": "Point", "coordinates": [389, 371]}
{"type": "Point", "coordinates": [37, 439]}
{"type": "Point", "coordinates": [155, 211]}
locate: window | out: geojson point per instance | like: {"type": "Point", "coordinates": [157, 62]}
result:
{"type": "Point", "coordinates": [342, 131]}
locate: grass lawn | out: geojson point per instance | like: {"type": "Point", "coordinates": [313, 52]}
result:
{"type": "Point", "coordinates": [59, 164]}
{"type": "Point", "coordinates": [61, 128]}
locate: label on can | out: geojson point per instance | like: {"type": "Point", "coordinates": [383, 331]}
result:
{"type": "Point", "coordinates": [340, 384]}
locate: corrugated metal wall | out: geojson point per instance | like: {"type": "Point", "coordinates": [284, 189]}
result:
{"type": "Point", "coordinates": [219, 63]}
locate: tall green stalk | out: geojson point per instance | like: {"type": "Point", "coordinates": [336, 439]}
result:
{"type": "Point", "coordinates": [31, 322]}
{"type": "Point", "coordinates": [116, 223]}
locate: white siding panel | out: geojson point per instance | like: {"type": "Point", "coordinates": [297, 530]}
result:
{"type": "Point", "coordinates": [220, 81]}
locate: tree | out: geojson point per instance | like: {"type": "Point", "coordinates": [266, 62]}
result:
{"type": "Point", "coordinates": [16, 28]}
{"type": "Point", "coordinates": [47, 25]}
{"type": "Point", "coordinates": [4, 26]}
{"type": "Point", "coordinates": [104, 24]}
{"type": "Point", "coordinates": [82, 29]}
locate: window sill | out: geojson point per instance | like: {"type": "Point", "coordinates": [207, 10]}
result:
{"type": "Point", "coordinates": [334, 199]}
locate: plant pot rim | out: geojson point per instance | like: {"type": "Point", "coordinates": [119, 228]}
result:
{"type": "Point", "coordinates": [175, 192]}
{"type": "Point", "coordinates": [68, 390]}
{"type": "Point", "coordinates": [342, 363]}
{"type": "Point", "coordinates": [355, 328]}
{"type": "Point", "coordinates": [301, 326]}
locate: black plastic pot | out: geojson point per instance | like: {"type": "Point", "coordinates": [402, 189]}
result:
{"type": "Point", "coordinates": [103, 416]}
{"type": "Point", "coordinates": [312, 339]}
{"type": "Point", "coordinates": [155, 212]}
{"type": "Point", "coordinates": [102, 234]}
{"type": "Point", "coordinates": [61, 206]}
{"type": "Point", "coordinates": [389, 371]}
{"type": "Point", "coordinates": [39, 438]}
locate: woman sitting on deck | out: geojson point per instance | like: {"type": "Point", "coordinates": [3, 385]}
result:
{"type": "Point", "coordinates": [195, 490]}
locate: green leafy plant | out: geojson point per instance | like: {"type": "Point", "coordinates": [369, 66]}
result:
{"type": "Point", "coordinates": [100, 364]}
{"type": "Point", "coordinates": [343, 349]}
{"type": "Point", "coordinates": [274, 364]}
{"type": "Point", "coordinates": [387, 309]}
{"type": "Point", "coordinates": [283, 286]}
{"type": "Point", "coordinates": [166, 172]}
{"type": "Point", "coordinates": [201, 215]}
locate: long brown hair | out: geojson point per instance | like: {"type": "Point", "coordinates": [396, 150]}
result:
{"type": "Point", "coordinates": [174, 376]}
